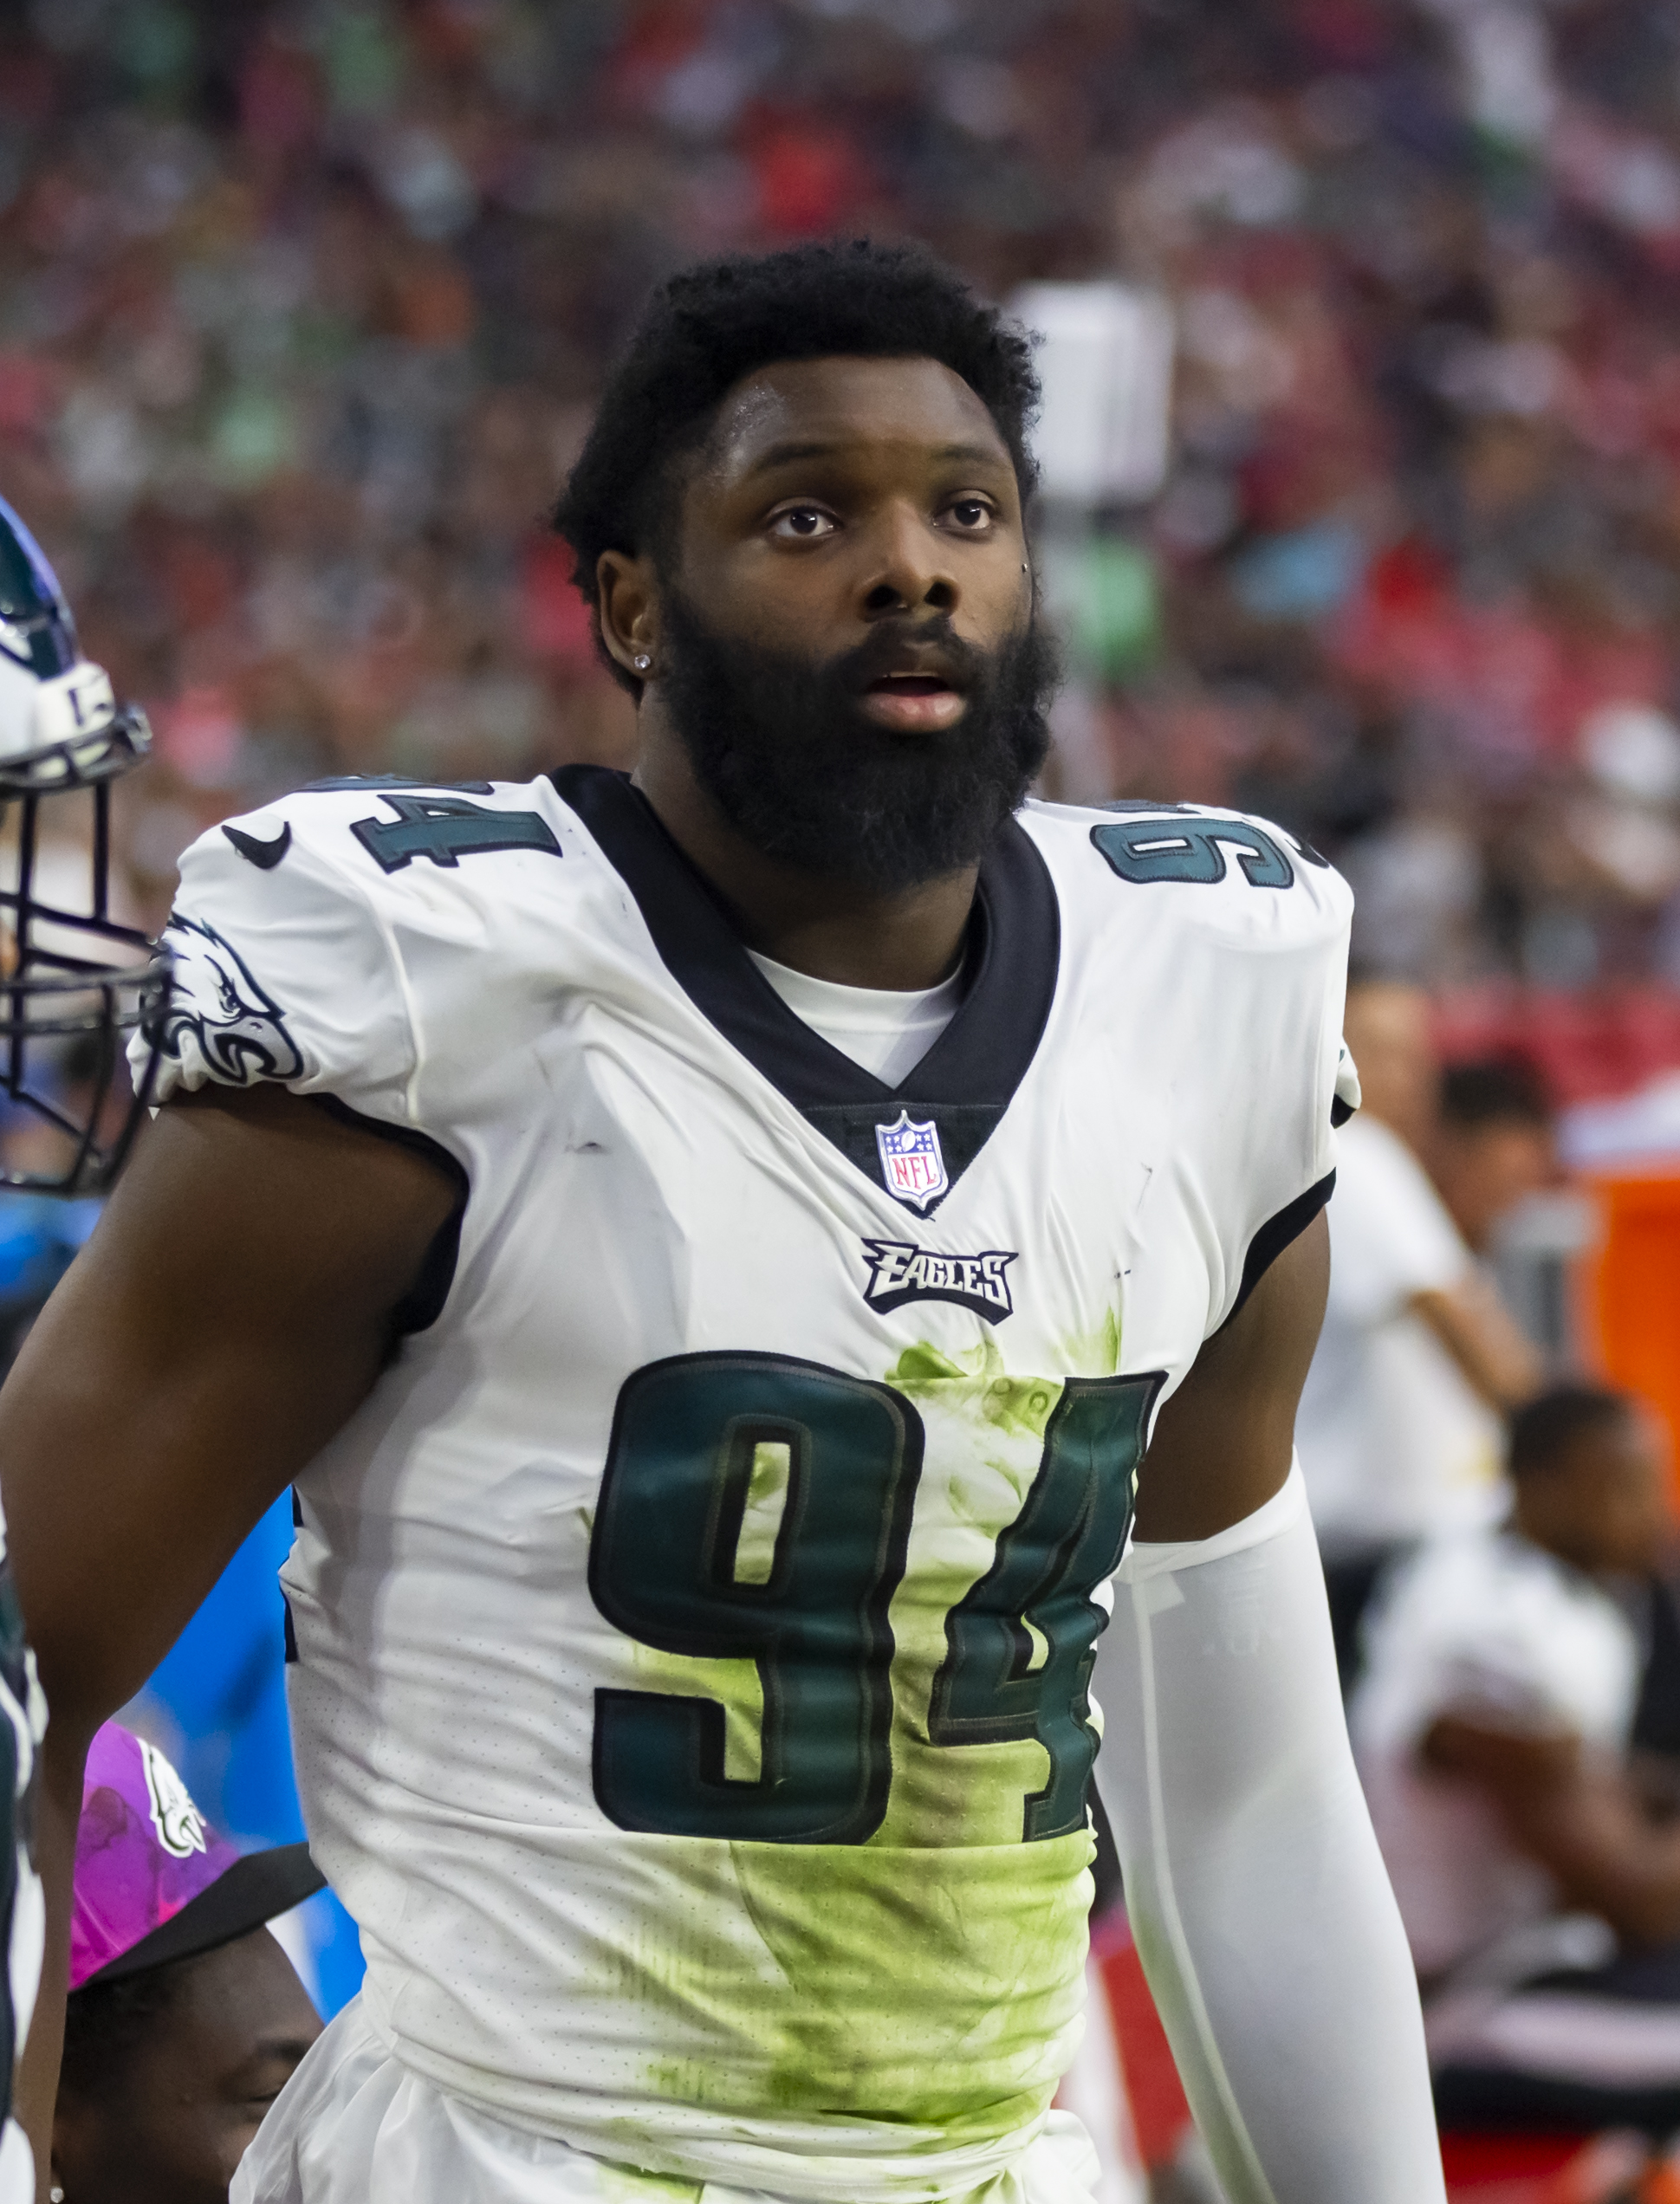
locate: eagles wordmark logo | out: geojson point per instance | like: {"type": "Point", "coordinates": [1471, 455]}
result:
{"type": "Point", "coordinates": [899, 1272]}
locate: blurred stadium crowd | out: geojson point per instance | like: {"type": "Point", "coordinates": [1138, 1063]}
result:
{"type": "Point", "coordinates": [302, 307]}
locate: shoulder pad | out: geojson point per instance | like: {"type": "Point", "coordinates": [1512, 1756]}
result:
{"type": "Point", "coordinates": [395, 821]}
{"type": "Point", "coordinates": [1224, 869]}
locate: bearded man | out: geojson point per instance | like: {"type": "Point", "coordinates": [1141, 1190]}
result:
{"type": "Point", "coordinates": [729, 1258]}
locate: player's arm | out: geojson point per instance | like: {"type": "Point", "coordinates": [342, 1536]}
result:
{"type": "Point", "coordinates": [1222, 1445]}
{"type": "Point", "coordinates": [1255, 1887]}
{"type": "Point", "coordinates": [232, 1309]}
{"type": "Point", "coordinates": [1496, 1358]}
{"type": "Point", "coordinates": [1578, 1817]}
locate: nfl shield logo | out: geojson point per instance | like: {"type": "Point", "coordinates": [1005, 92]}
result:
{"type": "Point", "coordinates": [911, 1163]}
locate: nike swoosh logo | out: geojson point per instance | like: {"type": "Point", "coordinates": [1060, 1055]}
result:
{"type": "Point", "coordinates": [264, 855]}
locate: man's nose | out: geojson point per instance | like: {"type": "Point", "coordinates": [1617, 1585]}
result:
{"type": "Point", "coordinates": [909, 569]}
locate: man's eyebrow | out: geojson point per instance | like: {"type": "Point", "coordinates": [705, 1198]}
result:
{"type": "Point", "coordinates": [278, 2046]}
{"type": "Point", "coordinates": [785, 454]}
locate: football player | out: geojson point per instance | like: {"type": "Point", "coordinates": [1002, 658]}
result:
{"type": "Point", "coordinates": [727, 1258]}
{"type": "Point", "coordinates": [74, 984]}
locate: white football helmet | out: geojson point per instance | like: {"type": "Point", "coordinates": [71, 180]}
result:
{"type": "Point", "coordinates": [74, 983]}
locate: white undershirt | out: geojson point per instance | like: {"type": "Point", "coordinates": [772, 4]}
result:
{"type": "Point", "coordinates": [885, 1030]}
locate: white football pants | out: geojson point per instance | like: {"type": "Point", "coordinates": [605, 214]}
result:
{"type": "Point", "coordinates": [354, 2126]}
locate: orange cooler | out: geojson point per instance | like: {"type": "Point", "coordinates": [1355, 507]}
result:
{"type": "Point", "coordinates": [1629, 1303]}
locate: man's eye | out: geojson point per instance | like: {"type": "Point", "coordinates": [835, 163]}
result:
{"type": "Point", "coordinates": [971, 514]}
{"type": "Point", "coordinates": [802, 524]}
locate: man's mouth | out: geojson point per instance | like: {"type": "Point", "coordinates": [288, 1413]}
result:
{"type": "Point", "coordinates": [914, 703]}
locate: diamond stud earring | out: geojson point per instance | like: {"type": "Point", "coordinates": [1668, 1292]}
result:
{"type": "Point", "coordinates": [641, 661]}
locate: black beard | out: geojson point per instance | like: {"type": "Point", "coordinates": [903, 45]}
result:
{"type": "Point", "coordinates": [781, 746]}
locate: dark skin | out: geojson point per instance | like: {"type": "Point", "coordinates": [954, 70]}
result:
{"type": "Point", "coordinates": [243, 1277]}
{"type": "Point", "coordinates": [1600, 1507]}
{"type": "Point", "coordinates": [284, 1240]}
{"type": "Point", "coordinates": [171, 2123]}
{"type": "Point", "coordinates": [901, 501]}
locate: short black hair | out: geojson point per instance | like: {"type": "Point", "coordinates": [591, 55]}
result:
{"type": "Point", "coordinates": [708, 326]}
{"type": "Point", "coordinates": [105, 2022]}
{"type": "Point", "coordinates": [1543, 1429]}
{"type": "Point", "coordinates": [1493, 1090]}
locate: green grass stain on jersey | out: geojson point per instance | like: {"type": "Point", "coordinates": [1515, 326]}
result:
{"type": "Point", "coordinates": [933, 1976]}
{"type": "Point", "coordinates": [937, 1989]}
{"type": "Point", "coordinates": [1095, 1354]}
{"type": "Point", "coordinates": [985, 1427]}
{"type": "Point", "coordinates": [629, 2185]}
{"type": "Point", "coordinates": [766, 1504]}
{"type": "Point", "coordinates": [977, 1378]}
{"type": "Point", "coordinates": [735, 1685]}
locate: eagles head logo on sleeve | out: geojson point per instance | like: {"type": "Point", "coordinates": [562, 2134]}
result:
{"type": "Point", "coordinates": [216, 1005]}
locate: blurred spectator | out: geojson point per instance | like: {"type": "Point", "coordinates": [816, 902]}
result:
{"type": "Point", "coordinates": [185, 2020]}
{"type": "Point", "coordinates": [1536, 1862]}
{"type": "Point", "coordinates": [1493, 1144]}
{"type": "Point", "coordinates": [1399, 1425]}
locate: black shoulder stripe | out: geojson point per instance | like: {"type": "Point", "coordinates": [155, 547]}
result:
{"type": "Point", "coordinates": [1276, 1235]}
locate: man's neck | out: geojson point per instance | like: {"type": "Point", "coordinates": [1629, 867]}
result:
{"type": "Point", "coordinates": [907, 939]}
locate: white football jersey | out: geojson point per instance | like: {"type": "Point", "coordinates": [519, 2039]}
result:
{"type": "Point", "coordinates": [694, 1627]}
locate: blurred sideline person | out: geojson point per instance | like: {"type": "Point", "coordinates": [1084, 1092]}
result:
{"type": "Point", "coordinates": [1536, 1861]}
{"type": "Point", "coordinates": [717, 1254]}
{"type": "Point", "coordinates": [185, 2019]}
{"type": "Point", "coordinates": [1493, 1144]}
{"type": "Point", "coordinates": [1400, 1428]}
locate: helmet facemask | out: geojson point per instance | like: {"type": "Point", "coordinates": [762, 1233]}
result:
{"type": "Point", "coordinates": [74, 983]}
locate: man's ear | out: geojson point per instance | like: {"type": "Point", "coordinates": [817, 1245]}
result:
{"type": "Point", "coordinates": [627, 595]}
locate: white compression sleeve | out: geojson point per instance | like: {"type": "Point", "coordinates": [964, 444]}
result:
{"type": "Point", "coordinates": [1256, 1891]}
